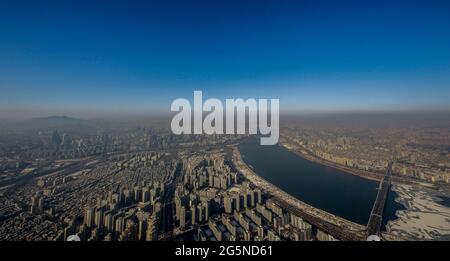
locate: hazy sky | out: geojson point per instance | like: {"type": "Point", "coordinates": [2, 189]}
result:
{"type": "Point", "coordinates": [136, 56]}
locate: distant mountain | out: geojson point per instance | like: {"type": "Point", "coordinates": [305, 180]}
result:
{"type": "Point", "coordinates": [56, 119]}
{"type": "Point", "coordinates": [61, 123]}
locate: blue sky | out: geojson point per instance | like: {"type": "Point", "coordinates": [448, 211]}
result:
{"type": "Point", "coordinates": [137, 56]}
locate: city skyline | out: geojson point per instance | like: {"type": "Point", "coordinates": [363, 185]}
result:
{"type": "Point", "coordinates": [94, 59]}
{"type": "Point", "coordinates": [222, 120]}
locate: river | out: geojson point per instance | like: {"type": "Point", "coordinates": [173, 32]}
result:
{"type": "Point", "coordinates": [323, 187]}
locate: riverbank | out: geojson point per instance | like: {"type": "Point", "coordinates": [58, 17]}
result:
{"type": "Point", "coordinates": [424, 216]}
{"type": "Point", "coordinates": [298, 150]}
{"type": "Point", "coordinates": [371, 175]}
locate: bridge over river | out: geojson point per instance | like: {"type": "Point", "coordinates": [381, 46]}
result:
{"type": "Point", "coordinates": [376, 216]}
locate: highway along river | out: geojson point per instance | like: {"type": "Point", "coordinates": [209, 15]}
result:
{"type": "Point", "coordinates": [334, 191]}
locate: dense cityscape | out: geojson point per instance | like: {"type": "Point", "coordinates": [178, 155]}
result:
{"type": "Point", "coordinates": [127, 182]}
{"type": "Point", "coordinates": [133, 187]}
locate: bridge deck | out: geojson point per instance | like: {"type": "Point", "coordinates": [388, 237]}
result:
{"type": "Point", "coordinates": [376, 216]}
